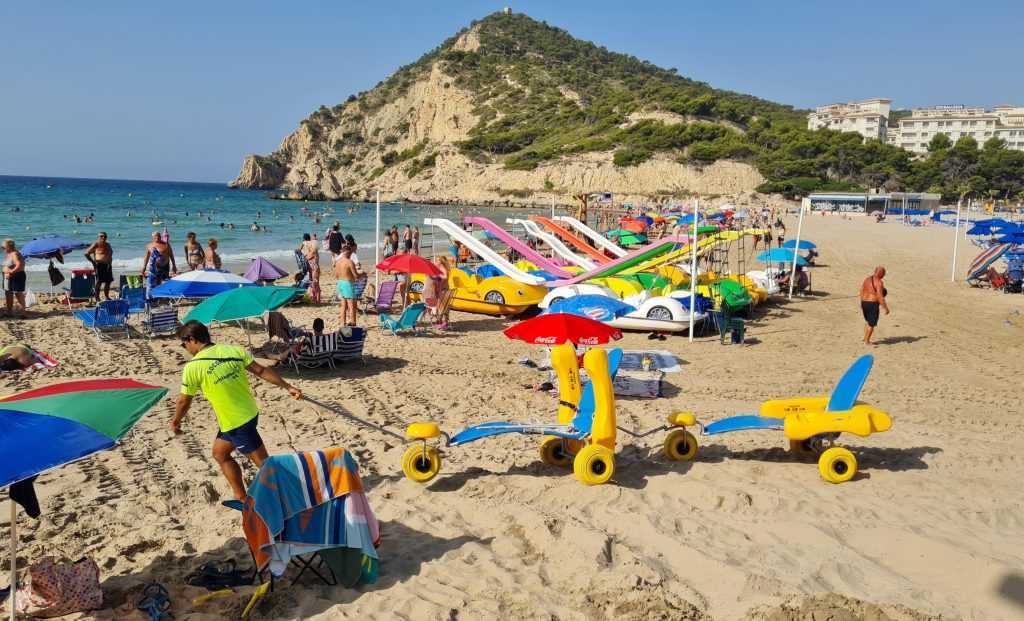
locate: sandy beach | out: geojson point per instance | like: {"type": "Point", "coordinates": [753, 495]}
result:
{"type": "Point", "coordinates": [932, 527]}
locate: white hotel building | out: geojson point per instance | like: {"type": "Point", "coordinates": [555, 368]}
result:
{"type": "Point", "coordinates": [870, 119]}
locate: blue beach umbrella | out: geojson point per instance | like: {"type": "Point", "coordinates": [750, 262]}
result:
{"type": "Point", "coordinates": [804, 244]}
{"type": "Point", "coordinates": [592, 306]}
{"type": "Point", "coordinates": [49, 245]}
{"type": "Point", "coordinates": [980, 229]}
{"type": "Point", "coordinates": [781, 255]}
{"type": "Point", "coordinates": [1013, 238]}
{"type": "Point", "coordinates": [200, 284]}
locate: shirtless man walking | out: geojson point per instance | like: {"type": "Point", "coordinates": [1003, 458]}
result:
{"type": "Point", "coordinates": [102, 256]}
{"type": "Point", "coordinates": [872, 296]}
{"type": "Point", "coordinates": [345, 272]}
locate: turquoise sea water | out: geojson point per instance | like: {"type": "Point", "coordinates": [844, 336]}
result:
{"type": "Point", "coordinates": [127, 211]}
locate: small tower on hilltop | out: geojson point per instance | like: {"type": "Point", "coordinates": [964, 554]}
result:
{"type": "Point", "coordinates": [507, 10]}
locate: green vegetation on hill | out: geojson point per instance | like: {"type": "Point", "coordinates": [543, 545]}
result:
{"type": "Point", "coordinates": [541, 94]}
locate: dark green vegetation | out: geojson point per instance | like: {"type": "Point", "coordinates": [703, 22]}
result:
{"type": "Point", "coordinates": [539, 94]}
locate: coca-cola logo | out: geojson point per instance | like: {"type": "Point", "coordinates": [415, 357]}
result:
{"type": "Point", "coordinates": [589, 341]}
{"type": "Point", "coordinates": [545, 340]}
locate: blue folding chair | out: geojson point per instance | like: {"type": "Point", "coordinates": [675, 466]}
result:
{"type": "Point", "coordinates": [136, 297]}
{"type": "Point", "coordinates": [109, 317]}
{"type": "Point", "coordinates": [407, 321]}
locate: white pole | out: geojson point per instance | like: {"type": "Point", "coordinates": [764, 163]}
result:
{"type": "Point", "coordinates": [903, 212]}
{"type": "Point", "coordinates": [956, 240]}
{"type": "Point", "coordinates": [552, 206]}
{"type": "Point", "coordinates": [693, 267]}
{"type": "Point", "coordinates": [14, 558]}
{"type": "Point", "coordinates": [376, 248]}
{"type": "Point", "coordinates": [796, 249]}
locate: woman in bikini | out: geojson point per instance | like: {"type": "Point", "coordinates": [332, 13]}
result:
{"type": "Point", "coordinates": [193, 252]}
{"type": "Point", "coordinates": [212, 259]}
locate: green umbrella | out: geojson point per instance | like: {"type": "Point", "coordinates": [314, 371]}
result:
{"type": "Point", "coordinates": [627, 238]}
{"type": "Point", "coordinates": [242, 303]}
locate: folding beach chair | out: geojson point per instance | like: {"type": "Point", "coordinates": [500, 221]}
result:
{"type": "Point", "coordinates": [308, 510]}
{"type": "Point", "coordinates": [385, 297]}
{"type": "Point", "coordinates": [82, 287]}
{"type": "Point", "coordinates": [350, 347]}
{"type": "Point", "coordinates": [161, 322]}
{"type": "Point", "coordinates": [317, 351]}
{"type": "Point", "coordinates": [291, 338]}
{"type": "Point", "coordinates": [109, 316]}
{"type": "Point", "coordinates": [407, 321]}
{"type": "Point", "coordinates": [136, 297]}
{"type": "Point", "coordinates": [444, 305]}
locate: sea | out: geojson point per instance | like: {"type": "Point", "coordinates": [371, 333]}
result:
{"type": "Point", "coordinates": [129, 211]}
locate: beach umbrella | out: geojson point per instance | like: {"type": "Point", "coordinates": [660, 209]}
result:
{"type": "Point", "coordinates": [980, 229]}
{"type": "Point", "coordinates": [200, 284]}
{"type": "Point", "coordinates": [262, 269]}
{"type": "Point", "coordinates": [1012, 238]}
{"type": "Point", "coordinates": [804, 245]}
{"type": "Point", "coordinates": [646, 220]}
{"type": "Point", "coordinates": [242, 303]}
{"type": "Point", "coordinates": [634, 226]}
{"type": "Point", "coordinates": [558, 328]}
{"type": "Point", "coordinates": [48, 427]}
{"type": "Point", "coordinates": [592, 306]}
{"type": "Point", "coordinates": [780, 255]}
{"type": "Point", "coordinates": [408, 264]}
{"type": "Point", "coordinates": [49, 245]}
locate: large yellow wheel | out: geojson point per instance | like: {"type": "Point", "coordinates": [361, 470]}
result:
{"type": "Point", "coordinates": [594, 465]}
{"type": "Point", "coordinates": [421, 463]}
{"type": "Point", "coordinates": [837, 465]}
{"type": "Point", "coordinates": [556, 451]}
{"type": "Point", "coordinates": [681, 445]}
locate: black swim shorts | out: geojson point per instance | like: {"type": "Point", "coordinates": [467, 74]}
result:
{"type": "Point", "coordinates": [870, 310]}
{"type": "Point", "coordinates": [246, 438]}
{"type": "Point", "coordinates": [104, 273]}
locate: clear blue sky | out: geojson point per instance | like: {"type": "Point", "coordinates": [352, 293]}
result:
{"type": "Point", "coordinates": [183, 90]}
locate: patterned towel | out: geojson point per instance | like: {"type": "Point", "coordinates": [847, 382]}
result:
{"type": "Point", "coordinates": [304, 502]}
{"type": "Point", "coordinates": [43, 361]}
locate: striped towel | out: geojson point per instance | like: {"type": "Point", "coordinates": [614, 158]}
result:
{"type": "Point", "coordinates": [304, 502]}
{"type": "Point", "coordinates": [43, 361]}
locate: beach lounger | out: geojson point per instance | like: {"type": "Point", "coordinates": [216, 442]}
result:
{"type": "Point", "coordinates": [350, 346]}
{"type": "Point", "coordinates": [308, 510]}
{"type": "Point", "coordinates": [407, 320]}
{"type": "Point", "coordinates": [161, 322]}
{"type": "Point", "coordinates": [317, 351]}
{"type": "Point", "coordinates": [108, 317]}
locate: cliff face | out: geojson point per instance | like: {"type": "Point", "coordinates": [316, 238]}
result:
{"type": "Point", "coordinates": [407, 137]}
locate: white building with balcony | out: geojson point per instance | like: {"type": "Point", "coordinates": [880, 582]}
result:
{"type": "Point", "coordinates": [916, 131]}
{"type": "Point", "coordinates": [868, 118]}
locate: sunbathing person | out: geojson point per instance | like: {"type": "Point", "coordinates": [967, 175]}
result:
{"type": "Point", "coordinates": [16, 357]}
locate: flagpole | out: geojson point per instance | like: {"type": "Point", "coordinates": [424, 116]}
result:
{"type": "Point", "coordinates": [693, 267]}
{"type": "Point", "coordinates": [376, 248]}
{"type": "Point", "coordinates": [956, 240]}
{"type": "Point", "coordinates": [796, 248]}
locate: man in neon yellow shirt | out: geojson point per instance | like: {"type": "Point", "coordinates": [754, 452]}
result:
{"type": "Point", "coordinates": [220, 372]}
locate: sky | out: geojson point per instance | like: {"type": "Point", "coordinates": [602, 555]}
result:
{"type": "Point", "coordinates": [184, 90]}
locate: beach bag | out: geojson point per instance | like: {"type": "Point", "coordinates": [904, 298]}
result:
{"type": "Point", "coordinates": [56, 277]}
{"type": "Point", "coordinates": [55, 589]}
{"type": "Point", "coordinates": [30, 298]}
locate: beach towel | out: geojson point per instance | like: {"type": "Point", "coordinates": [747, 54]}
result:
{"type": "Point", "coordinates": [43, 361]}
{"type": "Point", "coordinates": [305, 502]}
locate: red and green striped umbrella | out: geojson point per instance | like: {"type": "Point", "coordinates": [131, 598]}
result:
{"type": "Point", "coordinates": [47, 427]}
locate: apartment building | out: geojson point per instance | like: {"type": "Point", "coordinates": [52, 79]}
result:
{"type": "Point", "coordinates": [916, 131]}
{"type": "Point", "coordinates": [868, 118]}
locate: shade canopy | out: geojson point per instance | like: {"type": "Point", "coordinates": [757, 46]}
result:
{"type": "Point", "coordinates": [408, 264]}
{"type": "Point", "coordinates": [200, 284]}
{"type": "Point", "coordinates": [781, 255]}
{"type": "Point", "coordinates": [48, 427]}
{"type": "Point", "coordinates": [592, 306]}
{"type": "Point", "coordinates": [49, 245]}
{"type": "Point", "coordinates": [242, 303]}
{"type": "Point", "coordinates": [558, 328]}
{"type": "Point", "coordinates": [262, 269]}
